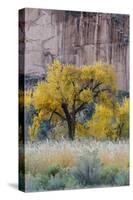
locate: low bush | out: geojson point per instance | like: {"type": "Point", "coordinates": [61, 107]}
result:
{"type": "Point", "coordinates": [122, 178]}
{"type": "Point", "coordinates": [55, 183]}
{"type": "Point", "coordinates": [54, 178]}
{"type": "Point", "coordinates": [88, 173]}
{"type": "Point", "coordinates": [54, 165]}
{"type": "Point", "coordinates": [113, 176]}
{"type": "Point", "coordinates": [62, 180]}
{"type": "Point", "coordinates": [33, 183]}
{"type": "Point", "coordinates": [88, 169]}
{"type": "Point", "coordinates": [91, 172]}
{"type": "Point", "coordinates": [53, 170]}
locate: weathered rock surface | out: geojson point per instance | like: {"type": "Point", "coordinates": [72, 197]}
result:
{"type": "Point", "coordinates": [75, 37]}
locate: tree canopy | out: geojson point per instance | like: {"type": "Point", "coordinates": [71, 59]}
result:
{"type": "Point", "coordinates": [67, 90]}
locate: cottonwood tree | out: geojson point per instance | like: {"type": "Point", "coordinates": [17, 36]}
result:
{"type": "Point", "coordinates": [67, 91]}
{"type": "Point", "coordinates": [112, 124]}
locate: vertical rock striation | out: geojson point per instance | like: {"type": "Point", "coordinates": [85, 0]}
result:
{"type": "Point", "coordinates": [78, 38]}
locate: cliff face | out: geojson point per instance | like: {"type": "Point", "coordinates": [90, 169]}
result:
{"type": "Point", "coordinates": [78, 38]}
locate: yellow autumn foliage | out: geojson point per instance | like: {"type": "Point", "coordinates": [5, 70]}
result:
{"type": "Point", "coordinates": [86, 96]}
{"type": "Point", "coordinates": [67, 89]}
{"type": "Point", "coordinates": [81, 130]}
{"type": "Point", "coordinates": [101, 122]}
{"type": "Point", "coordinates": [122, 119]}
{"type": "Point", "coordinates": [28, 97]}
{"type": "Point", "coordinates": [106, 123]}
{"type": "Point", "coordinates": [33, 130]}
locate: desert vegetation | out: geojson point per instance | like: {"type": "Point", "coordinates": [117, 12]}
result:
{"type": "Point", "coordinates": [76, 129]}
{"type": "Point", "coordinates": [52, 165]}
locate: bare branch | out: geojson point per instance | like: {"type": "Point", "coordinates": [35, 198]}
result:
{"type": "Point", "coordinates": [86, 86]}
{"type": "Point", "coordinates": [51, 116]}
{"type": "Point", "coordinates": [96, 86]}
{"type": "Point", "coordinates": [55, 112]}
{"type": "Point", "coordinates": [81, 107]}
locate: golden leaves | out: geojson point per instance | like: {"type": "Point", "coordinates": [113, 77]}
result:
{"type": "Point", "coordinates": [122, 118]}
{"type": "Point", "coordinates": [64, 83]}
{"type": "Point", "coordinates": [33, 130]}
{"type": "Point", "coordinates": [86, 96]}
{"type": "Point", "coordinates": [73, 86]}
{"type": "Point", "coordinates": [101, 122]}
{"type": "Point", "coordinates": [107, 123]}
{"type": "Point", "coordinates": [81, 130]}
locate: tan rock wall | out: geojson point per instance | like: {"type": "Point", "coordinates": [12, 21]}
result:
{"type": "Point", "coordinates": [78, 38]}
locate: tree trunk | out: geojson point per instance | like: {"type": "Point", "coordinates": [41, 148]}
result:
{"type": "Point", "coordinates": [71, 129]}
{"type": "Point", "coordinates": [70, 121]}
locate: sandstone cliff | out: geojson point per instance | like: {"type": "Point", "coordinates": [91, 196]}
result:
{"type": "Point", "coordinates": [75, 37]}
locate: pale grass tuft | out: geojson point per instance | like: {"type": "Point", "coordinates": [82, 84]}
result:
{"type": "Point", "coordinates": [39, 156]}
{"type": "Point", "coordinates": [39, 159]}
{"type": "Point", "coordinates": [117, 156]}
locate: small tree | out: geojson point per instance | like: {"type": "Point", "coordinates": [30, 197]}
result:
{"type": "Point", "coordinates": [66, 92]}
{"type": "Point", "coordinates": [101, 122]}
{"type": "Point", "coordinates": [107, 123]}
{"type": "Point", "coordinates": [122, 119]}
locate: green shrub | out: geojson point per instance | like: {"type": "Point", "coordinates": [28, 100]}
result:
{"type": "Point", "coordinates": [114, 176]}
{"type": "Point", "coordinates": [52, 179]}
{"type": "Point", "coordinates": [122, 178]}
{"type": "Point", "coordinates": [33, 183]}
{"type": "Point", "coordinates": [70, 181]}
{"type": "Point", "coordinates": [53, 170]}
{"type": "Point", "coordinates": [88, 172]}
{"type": "Point", "coordinates": [88, 169]}
{"type": "Point", "coordinates": [108, 175]}
{"type": "Point", "coordinates": [56, 183]}
{"type": "Point", "coordinates": [62, 180]}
